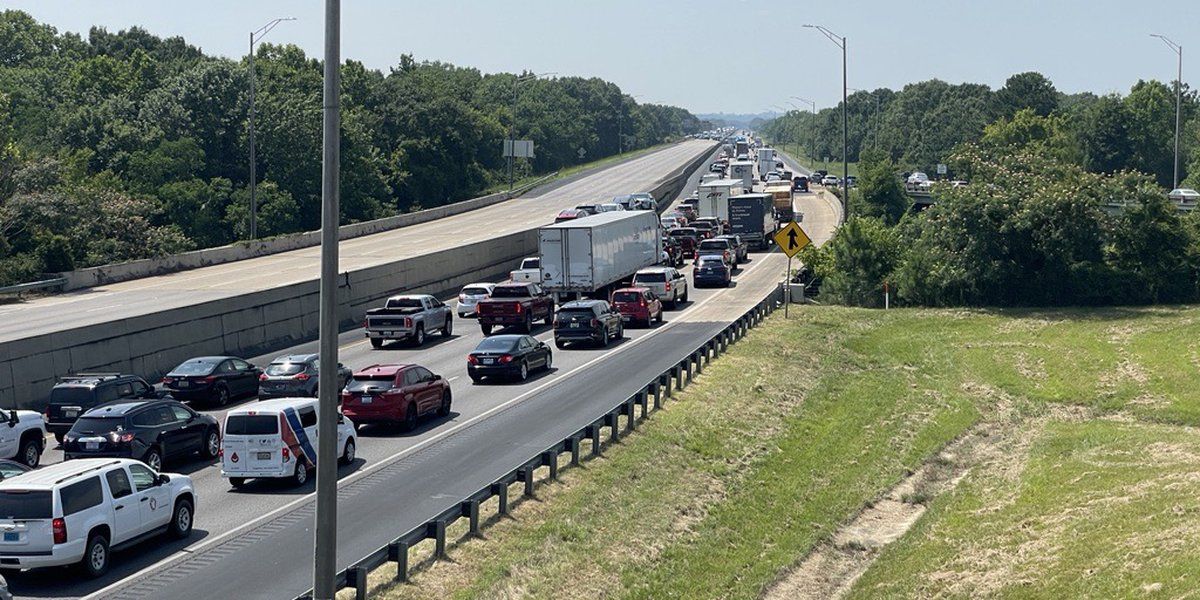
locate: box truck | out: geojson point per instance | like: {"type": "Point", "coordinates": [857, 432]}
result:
{"type": "Point", "coordinates": [766, 162]}
{"type": "Point", "coordinates": [744, 170]}
{"type": "Point", "coordinates": [714, 197]}
{"type": "Point", "coordinates": [590, 255]}
{"type": "Point", "coordinates": [781, 195]}
{"type": "Point", "coordinates": [752, 216]}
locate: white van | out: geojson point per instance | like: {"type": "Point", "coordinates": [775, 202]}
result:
{"type": "Point", "coordinates": [277, 439]}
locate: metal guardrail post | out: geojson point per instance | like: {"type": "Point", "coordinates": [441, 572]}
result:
{"type": "Point", "coordinates": [678, 370]}
{"type": "Point", "coordinates": [658, 393]}
{"type": "Point", "coordinates": [630, 413]}
{"type": "Point", "coordinates": [573, 446]}
{"type": "Point", "coordinates": [470, 510]}
{"type": "Point", "coordinates": [550, 458]}
{"type": "Point", "coordinates": [437, 531]}
{"type": "Point", "coordinates": [356, 577]}
{"type": "Point", "coordinates": [613, 422]}
{"type": "Point", "coordinates": [398, 553]}
{"type": "Point", "coordinates": [689, 369]}
{"type": "Point", "coordinates": [526, 475]}
{"type": "Point", "coordinates": [595, 435]}
{"type": "Point", "coordinates": [500, 491]}
{"type": "Point", "coordinates": [698, 356]}
{"type": "Point", "coordinates": [644, 399]}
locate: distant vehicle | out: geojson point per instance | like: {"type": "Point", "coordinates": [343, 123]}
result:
{"type": "Point", "coordinates": [704, 230]}
{"type": "Point", "coordinates": [818, 175]}
{"type": "Point", "coordinates": [917, 177]}
{"type": "Point", "coordinates": [22, 436]}
{"type": "Point", "coordinates": [718, 225]}
{"type": "Point", "coordinates": [529, 271]}
{"type": "Point", "coordinates": [799, 183]}
{"type": "Point", "coordinates": [638, 305]}
{"type": "Point", "coordinates": [152, 431]}
{"type": "Point", "coordinates": [741, 250]}
{"type": "Point", "coordinates": [666, 282]}
{"type": "Point", "coordinates": [277, 439]}
{"type": "Point", "coordinates": [1182, 195]}
{"type": "Point", "coordinates": [591, 256]}
{"type": "Point", "coordinates": [75, 394]}
{"type": "Point", "coordinates": [12, 468]}
{"type": "Point", "coordinates": [610, 207]}
{"type": "Point", "coordinates": [672, 252]}
{"type": "Point", "coordinates": [408, 317]}
{"type": "Point", "coordinates": [67, 513]}
{"type": "Point", "coordinates": [716, 168]}
{"type": "Point", "coordinates": [639, 201]}
{"type": "Point", "coordinates": [773, 176]}
{"type": "Point", "coordinates": [569, 213]}
{"type": "Point", "coordinates": [293, 375]}
{"type": "Point", "coordinates": [470, 295]}
{"type": "Point", "coordinates": [508, 356]}
{"type": "Point", "coordinates": [590, 209]}
{"type": "Point", "coordinates": [688, 238]}
{"type": "Point", "coordinates": [689, 211]}
{"type": "Point", "coordinates": [753, 217]}
{"type": "Point", "coordinates": [395, 394]}
{"type": "Point", "coordinates": [670, 222]}
{"type": "Point", "coordinates": [516, 304]}
{"type": "Point", "coordinates": [829, 180]}
{"type": "Point", "coordinates": [212, 379]}
{"type": "Point", "coordinates": [717, 247]}
{"type": "Point", "coordinates": [851, 181]}
{"type": "Point", "coordinates": [712, 270]}
{"type": "Point", "coordinates": [592, 321]}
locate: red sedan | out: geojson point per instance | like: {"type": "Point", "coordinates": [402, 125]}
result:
{"type": "Point", "coordinates": [638, 305]}
{"type": "Point", "coordinates": [395, 394]}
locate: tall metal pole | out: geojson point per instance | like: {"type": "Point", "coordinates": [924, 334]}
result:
{"type": "Point", "coordinates": [253, 157]}
{"type": "Point", "coordinates": [325, 559]}
{"type": "Point", "coordinates": [512, 135]}
{"type": "Point", "coordinates": [845, 144]}
{"type": "Point", "coordinates": [1178, 50]}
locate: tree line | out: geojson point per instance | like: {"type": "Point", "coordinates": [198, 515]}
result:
{"type": "Point", "coordinates": [125, 145]}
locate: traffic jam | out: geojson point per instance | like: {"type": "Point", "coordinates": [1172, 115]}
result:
{"type": "Point", "coordinates": [110, 441]}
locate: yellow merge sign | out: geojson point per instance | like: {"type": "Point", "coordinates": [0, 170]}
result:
{"type": "Point", "coordinates": [792, 239]}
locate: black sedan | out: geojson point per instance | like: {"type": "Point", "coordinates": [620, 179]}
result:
{"type": "Point", "coordinates": [149, 430]}
{"type": "Point", "coordinates": [509, 356]}
{"type": "Point", "coordinates": [213, 379]}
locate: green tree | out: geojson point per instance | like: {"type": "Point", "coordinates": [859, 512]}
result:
{"type": "Point", "coordinates": [880, 193]}
{"type": "Point", "coordinates": [1152, 245]}
{"type": "Point", "coordinates": [864, 252]}
{"type": "Point", "coordinates": [1029, 90]}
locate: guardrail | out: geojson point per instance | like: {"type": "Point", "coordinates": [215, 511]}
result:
{"type": "Point", "coordinates": [674, 379]}
{"type": "Point", "coordinates": [33, 286]}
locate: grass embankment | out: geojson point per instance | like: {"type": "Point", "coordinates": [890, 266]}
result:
{"type": "Point", "coordinates": [572, 170]}
{"type": "Point", "coordinates": [807, 421]}
{"type": "Point", "coordinates": [834, 166]}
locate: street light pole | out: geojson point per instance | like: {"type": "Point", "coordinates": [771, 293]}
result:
{"type": "Point", "coordinates": [325, 531]}
{"type": "Point", "coordinates": [840, 41]}
{"type": "Point", "coordinates": [812, 124]}
{"type": "Point", "coordinates": [255, 36]}
{"type": "Point", "coordinates": [1178, 96]}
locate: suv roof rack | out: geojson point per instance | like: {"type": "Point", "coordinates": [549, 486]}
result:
{"type": "Point", "coordinates": [100, 376]}
{"type": "Point", "coordinates": [89, 470]}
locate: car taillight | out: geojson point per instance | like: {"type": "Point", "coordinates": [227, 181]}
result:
{"type": "Point", "coordinates": [668, 288]}
{"type": "Point", "coordinates": [407, 322]}
{"type": "Point", "coordinates": [364, 323]}
{"type": "Point", "coordinates": [168, 380]}
{"type": "Point", "coordinates": [507, 358]}
{"type": "Point", "coordinates": [120, 437]}
{"type": "Point", "coordinates": [262, 377]}
{"type": "Point", "coordinates": [59, 526]}
{"type": "Point", "coordinates": [471, 358]}
{"type": "Point", "coordinates": [462, 297]}
{"type": "Point", "coordinates": [520, 307]}
{"type": "Point", "coordinates": [221, 452]}
{"type": "Point", "coordinates": [642, 301]}
{"type": "Point", "coordinates": [301, 377]}
{"type": "Point", "coordinates": [287, 454]}
{"type": "Point", "coordinates": [210, 379]}
{"type": "Point", "coordinates": [595, 322]}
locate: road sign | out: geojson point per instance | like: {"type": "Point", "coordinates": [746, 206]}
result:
{"type": "Point", "coordinates": [518, 148]}
{"type": "Point", "coordinates": [582, 153]}
{"type": "Point", "coordinates": [792, 239]}
{"type": "Point", "coordinates": [941, 169]}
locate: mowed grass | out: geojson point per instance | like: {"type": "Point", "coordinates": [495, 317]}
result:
{"type": "Point", "coordinates": [808, 420]}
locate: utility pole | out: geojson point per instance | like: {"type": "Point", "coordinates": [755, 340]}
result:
{"type": "Point", "coordinates": [325, 542]}
{"type": "Point", "coordinates": [255, 36]}
{"type": "Point", "coordinates": [512, 125]}
{"type": "Point", "coordinates": [812, 124]}
{"type": "Point", "coordinates": [840, 42]}
{"type": "Point", "coordinates": [1178, 97]}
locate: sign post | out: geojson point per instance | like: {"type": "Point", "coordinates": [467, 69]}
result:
{"type": "Point", "coordinates": [791, 239]}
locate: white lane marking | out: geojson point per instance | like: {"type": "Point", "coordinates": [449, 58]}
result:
{"type": "Point", "coordinates": [205, 545]}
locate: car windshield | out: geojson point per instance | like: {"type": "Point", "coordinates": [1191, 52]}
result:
{"type": "Point", "coordinates": [702, 225]}
{"type": "Point", "coordinates": [251, 425]}
{"type": "Point", "coordinates": [714, 245]}
{"type": "Point", "coordinates": [496, 344]}
{"type": "Point", "coordinates": [475, 291]}
{"type": "Point", "coordinates": [25, 504]}
{"type": "Point", "coordinates": [650, 277]}
{"type": "Point", "coordinates": [576, 313]}
{"type": "Point", "coordinates": [626, 297]}
{"type": "Point", "coordinates": [510, 291]}
{"type": "Point", "coordinates": [683, 232]}
{"type": "Point", "coordinates": [404, 303]}
{"type": "Point", "coordinates": [195, 367]}
{"type": "Point", "coordinates": [363, 384]}
{"type": "Point", "coordinates": [95, 425]}
{"type": "Point", "coordinates": [70, 395]}
{"type": "Point", "coordinates": [284, 369]}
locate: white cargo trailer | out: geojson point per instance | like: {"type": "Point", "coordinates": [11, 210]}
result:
{"type": "Point", "coordinates": [714, 197]}
{"type": "Point", "coordinates": [766, 162]}
{"type": "Point", "coordinates": [588, 255]}
{"type": "Point", "coordinates": [743, 170]}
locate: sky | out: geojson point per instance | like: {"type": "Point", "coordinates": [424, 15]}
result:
{"type": "Point", "coordinates": [736, 56]}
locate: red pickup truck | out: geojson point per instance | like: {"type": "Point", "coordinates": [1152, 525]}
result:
{"type": "Point", "coordinates": [518, 304]}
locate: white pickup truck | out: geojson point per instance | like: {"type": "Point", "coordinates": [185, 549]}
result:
{"type": "Point", "coordinates": [530, 271]}
{"type": "Point", "coordinates": [408, 317]}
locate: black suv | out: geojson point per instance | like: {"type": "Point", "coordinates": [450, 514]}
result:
{"type": "Point", "coordinates": [75, 394]}
{"type": "Point", "coordinates": [149, 430]}
{"type": "Point", "coordinates": [587, 320]}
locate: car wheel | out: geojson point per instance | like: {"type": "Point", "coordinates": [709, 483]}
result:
{"type": "Point", "coordinates": [212, 444]}
{"type": "Point", "coordinates": [449, 327]}
{"type": "Point", "coordinates": [222, 395]}
{"type": "Point", "coordinates": [476, 378]}
{"type": "Point", "coordinates": [237, 482]}
{"type": "Point", "coordinates": [560, 344]}
{"type": "Point", "coordinates": [410, 417]}
{"type": "Point", "coordinates": [31, 452]}
{"type": "Point", "coordinates": [444, 407]}
{"type": "Point", "coordinates": [153, 459]}
{"type": "Point", "coordinates": [549, 360]}
{"type": "Point", "coordinates": [620, 331]}
{"type": "Point", "coordinates": [528, 327]}
{"type": "Point", "coordinates": [181, 519]}
{"type": "Point", "coordinates": [58, 437]}
{"type": "Point", "coordinates": [660, 315]}
{"type": "Point", "coordinates": [603, 343]}
{"type": "Point", "coordinates": [649, 320]}
{"type": "Point", "coordinates": [685, 295]}
{"type": "Point", "coordinates": [376, 343]}
{"type": "Point", "coordinates": [95, 556]}
{"type": "Point", "coordinates": [523, 375]}
{"type": "Point", "coordinates": [348, 452]}
{"type": "Point", "coordinates": [486, 329]}
{"type": "Point", "coordinates": [419, 337]}
{"type": "Point", "coordinates": [300, 477]}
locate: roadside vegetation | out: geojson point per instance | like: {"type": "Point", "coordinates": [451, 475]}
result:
{"type": "Point", "coordinates": [810, 420]}
{"type": "Point", "coordinates": [118, 146]}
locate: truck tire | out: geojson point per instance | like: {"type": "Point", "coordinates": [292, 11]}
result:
{"type": "Point", "coordinates": [95, 555]}
{"type": "Point", "coordinates": [449, 327]}
{"type": "Point", "coordinates": [30, 453]}
{"type": "Point", "coordinates": [549, 321]}
{"type": "Point", "coordinates": [418, 338]}
{"type": "Point", "coordinates": [485, 328]}
{"type": "Point", "coordinates": [376, 343]}
{"type": "Point", "coordinates": [182, 518]}
{"type": "Point", "coordinates": [528, 326]}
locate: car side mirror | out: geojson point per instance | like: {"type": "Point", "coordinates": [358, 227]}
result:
{"type": "Point", "coordinates": [162, 480]}
{"type": "Point", "coordinates": [12, 418]}
{"type": "Point", "coordinates": [437, 377]}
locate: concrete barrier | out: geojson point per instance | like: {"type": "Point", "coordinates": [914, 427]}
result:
{"type": "Point", "coordinates": [257, 322]}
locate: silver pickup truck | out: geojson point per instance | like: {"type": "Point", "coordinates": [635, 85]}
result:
{"type": "Point", "coordinates": [408, 317]}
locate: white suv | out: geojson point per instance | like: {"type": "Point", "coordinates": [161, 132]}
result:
{"type": "Point", "coordinates": [79, 511]}
{"type": "Point", "coordinates": [666, 282]}
{"type": "Point", "coordinates": [22, 436]}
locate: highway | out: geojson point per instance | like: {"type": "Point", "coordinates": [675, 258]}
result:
{"type": "Point", "coordinates": [401, 479]}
